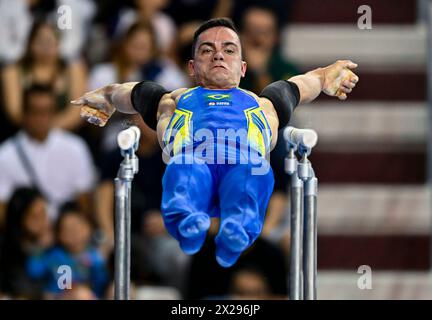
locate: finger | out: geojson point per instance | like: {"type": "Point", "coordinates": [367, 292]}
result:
{"type": "Point", "coordinates": [342, 96]}
{"type": "Point", "coordinates": [78, 102]}
{"type": "Point", "coordinates": [350, 65]}
{"type": "Point", "coordinates": [348, 84]}
{"type": "Point", "coordinates": [87, 112]}
{"type": "Point", "coordinates": [96, 120]}
{"type": "Point", "coordinates": [94, 112]}
{"type": "Point", "coordinates": [83, 114]}
{"type": "Point", "coordinates": [345, 90]}
{"type": "Point", "coordinates": [354, 78]}
{"type": "Point", "coordinates": [96, 101]}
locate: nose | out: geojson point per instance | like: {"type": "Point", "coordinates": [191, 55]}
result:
{"type": "Point", "coordinates": [218, 56]}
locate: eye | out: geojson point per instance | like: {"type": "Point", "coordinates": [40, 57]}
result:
{"type": "Point", "coordinates": [229, 51]}
{"type": "Point", "coordinates": [206, 50]}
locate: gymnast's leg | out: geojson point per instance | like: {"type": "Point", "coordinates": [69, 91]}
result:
{"type": "Point", "coordinates": [244, 197]}
{"type": "Point", "coordinates": [186, 202]}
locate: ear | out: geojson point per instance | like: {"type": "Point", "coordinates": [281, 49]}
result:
{"type": "Point", "coordinates": [191, 68]}
{"type": "Point", "coordinates": [243, 68]}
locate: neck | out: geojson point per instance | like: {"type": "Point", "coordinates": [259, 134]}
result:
{"type": "Point", "coordinates": [146, 13]}
{"type": "Point", "coordinates": [45, 63]}
{"type": "Point", "coordinates": [219, 87]}
{"type": "Point", "coordinates": [77, 249]}
{"type": "Point", "coordinates": [214, 86]}
{"type": "Point", "coordinates": [39, 138]}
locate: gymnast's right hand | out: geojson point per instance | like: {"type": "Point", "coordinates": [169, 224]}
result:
{"type": "Point", "coordinates": [96, 106]}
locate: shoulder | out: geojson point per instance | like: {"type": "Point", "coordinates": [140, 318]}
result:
{"type": "Point", "coordinates": [270, 113]}
{"type": "Point", "coordinates": [65, 136]}
{"type": "Point", "coordinates": [103, 68]}
{"type": "Point", "coordinates": [7, 145]}
{"type": "Point", "coordinates": [68, 140]}
{"type": "Point", "coordinates": [11, 70]}
{"type": "Point", "coordinates": [181, 93]}
{"type": "Point", "coordinates": [188, 91]}
{"type": "Point", "coordinates": [54, 253]}
{"type": "Point", "coordinates": [95, 256]}
{"type": "Point", "coordinates": [249, 93]}
{"type": "Point", "coordinates": [163, 21]}
{"type": "Point", "coordinates": [7, 149]}
{"type": "Point", "coordinates": [170, 75]}
{"type": "Point", "coordinates": [263, 102]}
{"type": "Point", "coordinates": [76, 66]}
{"type": "Point", "coordinates": [102, 74]}
{"type": "Point", "coordinates": [126, 18]}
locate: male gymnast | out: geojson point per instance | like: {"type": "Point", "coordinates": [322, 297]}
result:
{"type": "Point", "coordinates": [220, 181]}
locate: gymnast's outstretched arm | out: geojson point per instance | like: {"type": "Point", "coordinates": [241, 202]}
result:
{"type": "Point", "coordinates": [336, 79]}
{"type": "Point", "coordinates": [98, 106]}
{"type": "Point", "coordinates": [280, 98]}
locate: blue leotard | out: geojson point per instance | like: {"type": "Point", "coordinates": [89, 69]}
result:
{"type": "Point", "coordinates": [217, 141]}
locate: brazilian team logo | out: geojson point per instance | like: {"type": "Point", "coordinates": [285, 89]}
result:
{"type": "Point", "coordinates": [218, 100]}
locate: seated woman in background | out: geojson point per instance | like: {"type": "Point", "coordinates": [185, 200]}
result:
{"type": "Point", "coordinates": [149, 11]}
{"type": "Point", "coordinates": [27, 232]}
{"type": "Point", "coordinates": [42, 64]}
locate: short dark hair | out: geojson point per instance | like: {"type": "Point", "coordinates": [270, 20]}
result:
{"type": "Point", "coordinates": [36, 89]}
{"type": "Point", "coordinates": [70, 208]}
{"type": "Point", "coordinates": [212, 23]}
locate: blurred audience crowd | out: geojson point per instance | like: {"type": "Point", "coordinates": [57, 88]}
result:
{"type": "Point", "coordinates": [57, 172]}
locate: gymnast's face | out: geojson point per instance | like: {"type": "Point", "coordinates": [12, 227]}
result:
{"type": "Point", "coordinates": [217, 62]}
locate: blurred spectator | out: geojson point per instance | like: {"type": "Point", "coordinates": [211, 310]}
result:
{"type": "Point", "coordinates": [102, 30]}
{"type": "Point", "coordinates": [13, 37]}
{"type": "Point", "coordinates": [260, 38]}
{"type": "Point", "coordinates": [184, 11]}
{"type": "Point", "coordinates": [189, 14]}
{"type": "Point", "coordinates": [57, 162]}
{"type": "Point", "coordinates": [42, 64]}
{"type": "Point", "coordinates": [157, 258]}
{"type": "Point", "coordinates": [72, 248]}
{"type": "Point", "coordinates": [149, 11]}
{"type": "Point", "coordinates": [41, 8]}
{"type": "Point", "coordinates": [7, 127]}
{"type": "Point", "coordinates": [280, 9]}
{"type": "Point", "coordinates": [135, 59]}
{"type": "Point", "coordinates": [207, 279]}
{"type": "Point", "coordinates": [249, 283]}
{"type": "Point", "coordinates": [27, 231]}
{"type": "Point", "coordinates": [74, 39]}
{"type": "Point", "coordinates": [77, 292]}
{"type": "Point", "coordinates": [183, 46]}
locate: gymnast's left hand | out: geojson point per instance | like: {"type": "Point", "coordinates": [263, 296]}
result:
{"type": "Point", "coordinates": [339, 79]}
